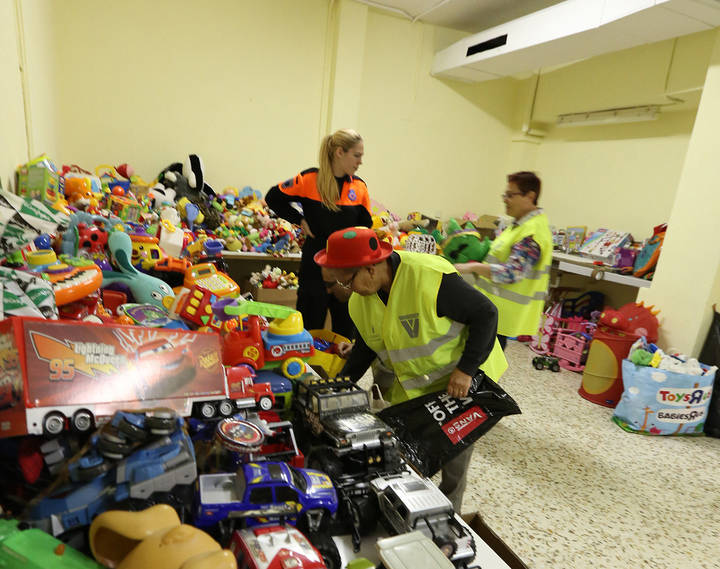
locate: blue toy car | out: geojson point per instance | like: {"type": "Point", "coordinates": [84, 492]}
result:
{"type": "Point", "coordinates": [266, 490]}
{"type": "Point", "coordinates": [159, 470]}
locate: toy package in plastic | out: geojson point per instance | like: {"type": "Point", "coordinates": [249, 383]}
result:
{"type": "Point", "coordinates": [435, 428]}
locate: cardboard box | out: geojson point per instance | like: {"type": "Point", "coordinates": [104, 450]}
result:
{"type": "Point", "coordinates": [477, 524]}
{"type": "Point", "coordinates": [55, 366]}
{"type": "Point", "coordinates": [486, 225]}
{"type": "Point", "coordinates": [39, 179]}
{"type": "Point", "coordinates": [283, 297]}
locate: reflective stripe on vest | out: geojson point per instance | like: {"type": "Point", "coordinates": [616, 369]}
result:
{"type": "Point", "coordinates": [520, 304]}
{"type": "Point", "coordinates": [510, 295]}
{"type": "Point", "coordinates": [407, 334]}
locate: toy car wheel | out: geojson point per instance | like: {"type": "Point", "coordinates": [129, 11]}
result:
{"type": "Point", "coordinates": [292, 368]}
{"type": "Point", "coordinates": [265, 403]}
{"type": "Point", "coordinates": [161, 422]}
{"type": "Point", "coordinates": [54, 423]}
{"type": "Point", "coordinates": [226, 408]}
{"type": "Point", "coordinates": [538, 365]}
{"type": "Point", "coordinates": [133, 432]}
{"type": "Point", "coordinates": [207, 410]}
{"type": "Point", "coordinates": [447, 546]}
{"type": "Point", "coordinates": [92, 472]}
{"type": "Point", "coordinates": [554, 366]}
{"type": "Point", "coordinates": [82, 421]}
{"type": "Point", "coordinates": [113, 446]}
{"type": "Point", "coordinates": [327, 548]}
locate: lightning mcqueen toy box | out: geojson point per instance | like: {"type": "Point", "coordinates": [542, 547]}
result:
{"type": "Point", "coordinates": [57, 374]}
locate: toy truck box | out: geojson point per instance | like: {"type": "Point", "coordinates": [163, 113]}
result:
{"type": "Point", "coordinates": [57, 374]}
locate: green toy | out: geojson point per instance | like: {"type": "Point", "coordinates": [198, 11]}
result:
{"type": "Point", "coordinates": [463, 245]}
{"type": "Point", "coordinates": [641, 357]}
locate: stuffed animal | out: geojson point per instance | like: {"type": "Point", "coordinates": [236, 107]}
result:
{"type": "Point", "coordinates": [464, 245]}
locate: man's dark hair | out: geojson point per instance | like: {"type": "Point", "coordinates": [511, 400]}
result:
{"type": "Point", "coordinates": [526, 182]}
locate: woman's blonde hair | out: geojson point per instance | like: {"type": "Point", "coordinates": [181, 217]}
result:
{"type": "Point", "coordinates": [326, 184]}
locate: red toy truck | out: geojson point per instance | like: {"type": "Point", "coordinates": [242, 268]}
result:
{"type": "Point", "coordinates": [283, 344]}
{"type": "Point", "coordinates": [74, 373]}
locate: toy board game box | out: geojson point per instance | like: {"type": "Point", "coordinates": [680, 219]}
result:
{"type": "Point", "coordinates": [53, 367]}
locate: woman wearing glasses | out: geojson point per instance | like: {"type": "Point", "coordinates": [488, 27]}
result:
{"type": "Point", "coordinates": [516, 273]}
{"type": "Point", "coordinates": [415, 314]}
{"type": "Point", "coordinates": [332, 198]}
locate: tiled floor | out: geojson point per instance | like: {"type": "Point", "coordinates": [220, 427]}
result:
{"type": "Point", "coordinates": [565, 487]}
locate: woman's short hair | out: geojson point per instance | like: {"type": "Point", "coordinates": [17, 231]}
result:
{"type": "Point", "coordinates": [526, 182]}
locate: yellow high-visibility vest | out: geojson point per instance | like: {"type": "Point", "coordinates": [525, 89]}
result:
{"type": "Point", "coordinates": [407, 334]}
{"type": "Point", "coordinates": [520, 304]}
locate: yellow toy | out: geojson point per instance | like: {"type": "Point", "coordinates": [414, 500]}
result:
{"type": "Point", "coordinates": [154, 539]}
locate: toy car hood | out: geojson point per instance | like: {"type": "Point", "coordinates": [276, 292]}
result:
{"type": "Point", "coordinates": [350, 424]}
{"type": "Point", "coordinates": [319, 485]}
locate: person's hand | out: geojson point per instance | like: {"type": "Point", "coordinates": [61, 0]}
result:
{"type": "Point", "coordinates": [344, 349]}
{"type": "Point", "coordinates": [459, 383]}
{"type": "Point", "coordinates": [306, 228]}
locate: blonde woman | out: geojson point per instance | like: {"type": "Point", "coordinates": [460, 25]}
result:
{"type": "Point", "coordinates": [332, 198]}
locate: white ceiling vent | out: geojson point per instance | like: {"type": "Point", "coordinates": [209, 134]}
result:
{"type": "Point", "coordinates": [571, 30]}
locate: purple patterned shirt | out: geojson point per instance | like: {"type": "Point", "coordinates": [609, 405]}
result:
{"type": "Point", "coordinates": [523, 256]}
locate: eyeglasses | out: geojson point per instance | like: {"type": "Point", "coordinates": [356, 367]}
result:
{"type": "Point", "coordinates": [508, 195]}
{"type": "Point", "coordinates": [347, 285]}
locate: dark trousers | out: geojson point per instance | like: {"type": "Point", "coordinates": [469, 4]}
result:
{"type": "Point", "coordinates": [502, 340]}
{"type": "Point", "coordinates": [314, 302]}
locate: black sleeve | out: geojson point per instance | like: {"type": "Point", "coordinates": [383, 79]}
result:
{"type": "Point", "coordinates": [359, 361]}
{"type": "Point", "coordinates": [463, 303]}
{"type": "Point", "coordinates": [280, 202]}
{"type": "Point", "coordinates": [365, 219]}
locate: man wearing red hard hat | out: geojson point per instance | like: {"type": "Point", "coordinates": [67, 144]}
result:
{"type": "Point", "coordinates": [416, 314]}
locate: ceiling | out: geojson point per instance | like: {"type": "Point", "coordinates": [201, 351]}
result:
{"type": "Point", "coordinates": [466, 15]}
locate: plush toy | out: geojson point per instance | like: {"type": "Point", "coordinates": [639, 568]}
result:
{"type": "Point", "coordinates": [144, 288]}
{"type": "Point", "coordinates": [633, 317]}
{"type": "Point", "coordinates": [464, 245]}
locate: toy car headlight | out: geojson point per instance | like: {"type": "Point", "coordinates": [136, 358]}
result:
{"type": "Point", "coordinates": [289, 563]}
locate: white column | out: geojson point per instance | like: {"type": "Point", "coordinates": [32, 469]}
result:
{"type": "Point", "coordinates": [687, 279]}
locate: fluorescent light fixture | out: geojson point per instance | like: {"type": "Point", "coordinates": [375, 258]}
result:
{"type": "Point", "coordinates": [610, 116]}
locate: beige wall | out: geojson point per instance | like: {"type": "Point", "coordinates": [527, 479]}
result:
{"type": "Point", "coordinates": [431, 145]}
{"type": "Point", "coordinates": [621, 176]}
{"type": "Point", "coordinates": [236, 81]}
{"type": "Point", "coordinates": [13, 142]}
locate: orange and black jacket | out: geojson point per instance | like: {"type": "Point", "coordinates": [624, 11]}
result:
{"type": "Point", "coordinates": [354, 203]}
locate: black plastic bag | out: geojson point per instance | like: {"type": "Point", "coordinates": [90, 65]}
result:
{"type": "Point", "coordinates": [435, 428]}
{"type": "Point", "coordinates": [710, 355]}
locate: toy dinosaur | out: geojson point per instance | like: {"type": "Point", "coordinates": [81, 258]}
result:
{"type": "Point", "coordinates": [633, 317]}
{"type": "Point", "coordinates": [144, 288]}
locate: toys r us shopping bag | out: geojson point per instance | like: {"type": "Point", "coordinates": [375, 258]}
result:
{"type": "Point", "coordinates": [662, 402]}
{"type": "Point", "coordinates": [435, 428]}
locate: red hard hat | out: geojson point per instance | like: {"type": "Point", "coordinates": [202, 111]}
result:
{"type": "Point", "coordinates": [353, 247]}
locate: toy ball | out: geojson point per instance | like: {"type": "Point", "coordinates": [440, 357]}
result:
{"type": "Point", "coordinates": [118, 191]}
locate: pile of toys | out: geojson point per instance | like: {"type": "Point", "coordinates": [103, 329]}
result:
{"type": "Point", "coordinates": [274, 277]}
{"type": "Point", "coordinates": [173, 434]}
